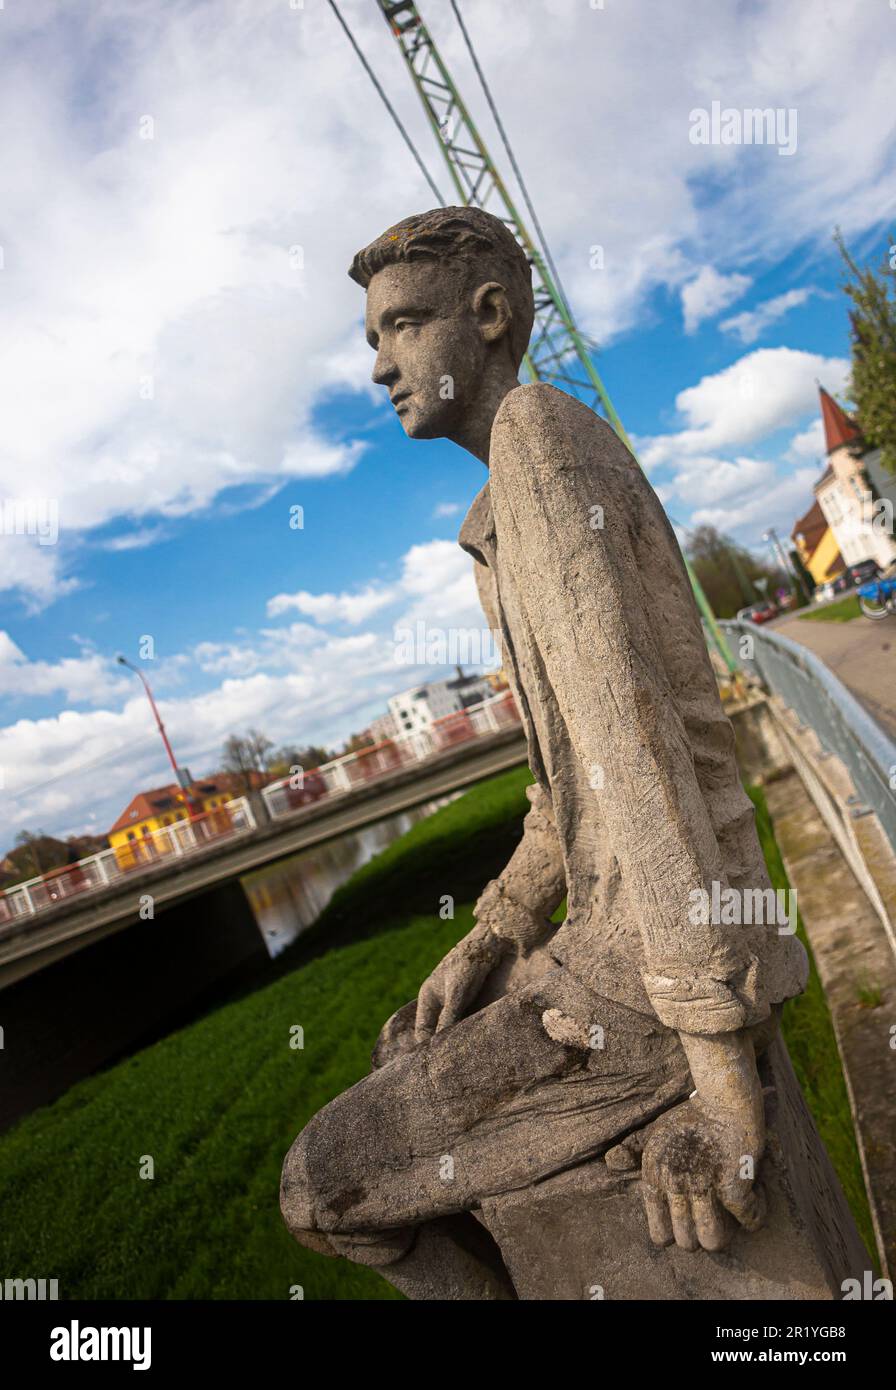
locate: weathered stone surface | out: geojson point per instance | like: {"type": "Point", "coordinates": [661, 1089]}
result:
{"type": "Point", "coordinates": [583, 1233]}
{"type": "Point", "coordinates": [631, 1032]}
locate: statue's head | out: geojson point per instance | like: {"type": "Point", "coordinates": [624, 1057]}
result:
{"type": "Point", "coordinates": [449, 311]}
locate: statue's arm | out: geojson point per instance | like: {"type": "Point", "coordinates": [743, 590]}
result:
{"type": "Point", "coordinates": [517, 905]}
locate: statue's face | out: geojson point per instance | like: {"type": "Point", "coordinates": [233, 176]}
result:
{"type": "Point", "coordinates": [429, 348]}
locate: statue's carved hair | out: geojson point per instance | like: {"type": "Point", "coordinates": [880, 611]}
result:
{"type": "Point", "coordinates": [482, 246]}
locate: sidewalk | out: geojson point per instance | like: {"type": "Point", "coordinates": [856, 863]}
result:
{"type": "Point", "coordinates": [861, 653]}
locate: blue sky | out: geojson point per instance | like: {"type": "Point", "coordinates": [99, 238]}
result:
{"type": "Point", "coordinates": [175, 381]}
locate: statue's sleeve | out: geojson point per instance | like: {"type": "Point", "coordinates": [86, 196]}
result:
{"type": "Point", "coordinates": [565, 492]}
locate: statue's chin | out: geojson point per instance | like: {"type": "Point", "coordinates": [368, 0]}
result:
{"type": "Point", "coordinates": [421, 429]}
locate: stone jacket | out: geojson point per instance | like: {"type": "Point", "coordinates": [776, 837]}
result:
{"type": "Point", "coordinates": [638, 808]}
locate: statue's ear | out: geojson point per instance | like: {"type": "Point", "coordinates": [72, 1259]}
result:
{"type": "Point", "coordinates": [492, 308]}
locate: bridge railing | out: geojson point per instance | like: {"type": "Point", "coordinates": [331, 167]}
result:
{"type": "Point", "coordinates": [134, 856]}
{"type": "Point", "coordinates": [823, 703]}
{"type": "Point", "coordinates": [356, 769]}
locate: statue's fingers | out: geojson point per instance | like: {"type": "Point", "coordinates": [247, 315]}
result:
{"type": "Point", "coordinates": [429, 1006]}
{"type": "Point", "coordinates": [709, 1221]}
{"type": "Point", "coordinates": [746, 1201]}
{"type": "Point", "coordinates": [454, 1004]}
{"type": "Point", "coordinates": [627, 1153]}
{"type": "Point", "coordinates": [622, 1158]}
{"type": "Point", "coordinates": [682, 1221]}
{"type": "Point", "coordinates": [658, 1223]}
{"type": "Point", "coordinates": [450, 1013]}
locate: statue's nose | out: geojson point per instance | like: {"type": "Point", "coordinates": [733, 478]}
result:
{"type": "Point", "coordinates": [385, 373]}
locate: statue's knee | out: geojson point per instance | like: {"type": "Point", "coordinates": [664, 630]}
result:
{"type": "Point", "coordinates": [299, 1197]}
{"type": "Point", "coordinates": [312, 1217]}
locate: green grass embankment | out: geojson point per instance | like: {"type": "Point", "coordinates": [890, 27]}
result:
{"type": "Point", "coordinates": [217, 1105]}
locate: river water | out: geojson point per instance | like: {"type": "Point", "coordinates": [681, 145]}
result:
{"type": "Point", "coordinates": [287, 897]}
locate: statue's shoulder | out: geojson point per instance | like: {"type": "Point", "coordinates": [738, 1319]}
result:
{"type": "Point", "coordinates": [539, 422]}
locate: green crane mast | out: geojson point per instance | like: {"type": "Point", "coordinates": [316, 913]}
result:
{"type": "Point", "coordinates": [558, 352]}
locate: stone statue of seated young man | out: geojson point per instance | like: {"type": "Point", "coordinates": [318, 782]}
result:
{"type": "Point", "coordinates": [632, 1028]}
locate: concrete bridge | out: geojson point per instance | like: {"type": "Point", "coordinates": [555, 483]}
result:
{"type": "Point", "coordinates": [30, 943]}
{"type": "Point", "coordinates": [90, 979]}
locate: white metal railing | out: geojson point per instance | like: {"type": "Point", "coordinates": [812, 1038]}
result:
{"type": "Point", "coordinates": [354, 770]}
{"type": "Point", "coordinates": [181, 838]}
{"type": "Point", "coordinates": [822, 701]}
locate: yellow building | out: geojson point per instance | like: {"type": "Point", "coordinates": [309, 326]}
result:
{"type": "Point", "coordinates": [133, 835]}
{"type": "Point", "coordinates": [817, 545]}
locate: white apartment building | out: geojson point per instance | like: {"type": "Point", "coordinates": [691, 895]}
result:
{"type": "Point", "coordinates": [416, 709]}
{"type": "Point", "coordinates": [383, 727]}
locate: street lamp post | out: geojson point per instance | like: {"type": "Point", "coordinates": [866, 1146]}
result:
{"type": "Point", "coordinates": [796, 585]}
{"type": "Point", "coordinates": [123, 661]}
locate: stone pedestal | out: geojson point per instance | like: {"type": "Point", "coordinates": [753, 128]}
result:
{"type": "Point", "coordinates": [583, 1234]}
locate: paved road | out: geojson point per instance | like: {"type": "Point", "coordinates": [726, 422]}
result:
{"type": "Point", "coordinates": [861, 653]}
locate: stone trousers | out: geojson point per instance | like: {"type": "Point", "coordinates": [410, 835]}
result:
{"type": "Point", "coordinates": [544, 1077]}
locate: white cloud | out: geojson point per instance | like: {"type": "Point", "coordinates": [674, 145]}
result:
{"type": "Point", "coordinates": [751, 324]}
{"type": "Point", "coordinates": [136, 540]}
{"type": "Point", "coordinates": [438, 585]}
{"type": "Point", "coordinates": [328, 608]}
{"type": "Point", "coordinates": [809, 443]}
{"type": "Point", "coordinates": [708, 294]}
{"type": "Point", "coordinates": [765, 391]}
{"type": "Point", "coordinates": [38, 572]}
{"type": "Point", "coordinates": [709, 480]}
{"type": "Point", "coordinates": [447, 509]}
{"type": "Point", "coordinates": [776, 505]}
{"type": "Point", "coordinates": [163, 339]}
{"type": "Point", "coordinates": [86, 678]}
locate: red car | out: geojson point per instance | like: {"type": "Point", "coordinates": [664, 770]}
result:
{"type": "Point", "coordinates": [759, 612]}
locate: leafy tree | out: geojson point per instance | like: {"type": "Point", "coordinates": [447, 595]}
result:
{"type": "Point", "coordinates": [244, 754]}
{"type": "Point", "coordinates": [291, 755]}
{"type": "Point", "coordinates": [357, 742]}
{"type": "Point", "coordinates": [728, 571]}
{"type": "Point", "coordinates": [873, 331]}
{"type": "Point", "coordinates": [803, 575]}
{"type": "Point", "coordinates": [36, 853]}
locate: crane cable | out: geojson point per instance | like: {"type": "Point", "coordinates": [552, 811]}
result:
{"type": "Point", "coordinates": [510, 155]}
{"type": "Point", "coordinates": [388, 105]}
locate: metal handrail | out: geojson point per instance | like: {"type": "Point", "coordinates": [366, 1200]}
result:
{"type": "Point", "coordinates": [821, 701]}
{"type": "Point", "coordinates": [352, 770]}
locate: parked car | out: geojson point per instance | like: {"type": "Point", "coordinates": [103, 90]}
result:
{"type": "Point", "coordinates": [759, 612]}
{"type": "Point", "coordinates": [861, 573]}
{"type": "Point", "coordinates": [824, 592]}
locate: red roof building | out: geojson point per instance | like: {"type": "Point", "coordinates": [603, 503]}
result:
{"type": "Point", "coordinates": [839, 429]}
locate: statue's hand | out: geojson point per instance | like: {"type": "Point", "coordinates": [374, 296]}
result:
{"type": "Point", "coordinates": [698, 1162]}
{"type": "Point", "coordinates": [456, 981]}
{"type": "Point", "coordinates": [695, 1167]}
